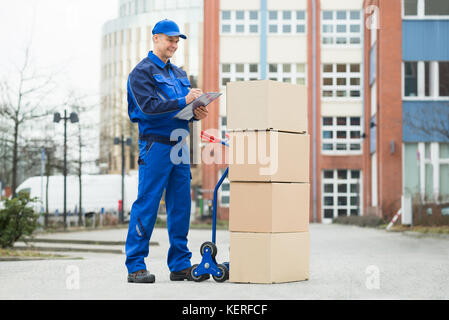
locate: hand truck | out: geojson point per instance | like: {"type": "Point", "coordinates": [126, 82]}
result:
{"type": "Point", "coordinates": [208, 250]}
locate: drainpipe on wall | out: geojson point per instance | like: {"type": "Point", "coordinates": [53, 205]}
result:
{"type": "Point", "coordinates": [362, 120]}
{"type": "Point", "coordinates": [314, 115]}
{"type": "Point", "coordinates": [263, 39]}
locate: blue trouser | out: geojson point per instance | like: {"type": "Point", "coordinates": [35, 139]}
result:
{"type": "Point", "coordinates": [156, 173]}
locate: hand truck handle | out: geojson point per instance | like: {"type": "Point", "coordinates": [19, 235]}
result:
{"type": "Point", "coordinates": [213, 139]}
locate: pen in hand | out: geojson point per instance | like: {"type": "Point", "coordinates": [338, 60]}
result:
{"type": "Point", "coordinates": [193, 94]}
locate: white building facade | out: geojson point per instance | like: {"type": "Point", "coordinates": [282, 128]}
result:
{"type": "Point", "coordinates": [125, 42]}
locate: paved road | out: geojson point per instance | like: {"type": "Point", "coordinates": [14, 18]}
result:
{"type": "Point", "coordinates": [346, 263]}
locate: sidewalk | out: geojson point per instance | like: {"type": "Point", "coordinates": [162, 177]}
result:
{"type": "Point", "coordinates": [347, 262]}
{"type": "Point", "coordinates": [99, 241]}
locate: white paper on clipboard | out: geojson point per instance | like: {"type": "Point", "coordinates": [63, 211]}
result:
{"type": "Point", "coordinates": [204, 100]}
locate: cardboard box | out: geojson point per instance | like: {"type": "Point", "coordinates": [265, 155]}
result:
{"type": "Point", "coordinates": [266, 104]}
{"type": "Point", "coordinates": [269, 257]}
{"type": "Point", "coordinates": [268, 156]}
{"type": "Point", "coordinates": [269, 207]}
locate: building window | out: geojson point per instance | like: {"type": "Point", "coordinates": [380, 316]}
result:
{"type": "Point", "coordinates": [426, 171]}
{"type": "Point", "coordinates": [436, 7]}
{"type": "Point", "coordinates": [425, 8]}
{"type": "Point", "coordinates": [287, 72]}
{"type": "Point", "coordinates": [410, 79]}
{"type": "Point", "coordinates": [410, 7]}
{"type": "Point", "coordinates": [341, 190]}
{"type": "Point", "coordinates": [341, 81]}
{"type": "Point", "coordinates": [224, 191]}
{"type": "Point", "coordinates": [226, 15]}
{"type": "Point", "coordinates": [426, 79]}
{"type": "Point", "coordinates": [122, 10]}
{"type": "Point", "coordinates": [223, 126]}
{"type": "Point", "coordinates": [238, 72]}
{"type": "Point", "coordinates": [254, 15]}
{"type": "Point", "coordinates": [286, 22]}
{"type": "Point", "coordinates": [341, 27]}
{"type": "Point", "coordinates": [239, 22]}
{"type": "Point", "coordinates": [444, 79]}
{"type": "Point", "coordinates": [341, 135]}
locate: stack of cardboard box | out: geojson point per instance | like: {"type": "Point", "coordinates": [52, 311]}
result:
{"type": "Point", "coordinates": [269, 177]}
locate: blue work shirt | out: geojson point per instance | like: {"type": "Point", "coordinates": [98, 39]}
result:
{"type": "Point", "coordinates": [156, 93]}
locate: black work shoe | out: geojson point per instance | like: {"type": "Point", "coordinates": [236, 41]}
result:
{"type": "Point", "coordinates": [141, 276]}
{"type": "Point", "coordinates": [185, 275]}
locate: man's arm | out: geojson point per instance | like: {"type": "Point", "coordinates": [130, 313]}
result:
{"type": "Point", "coordinates": [148, 99]}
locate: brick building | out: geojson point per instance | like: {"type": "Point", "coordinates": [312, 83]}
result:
{"type": "Point", "coordinates": [377, 78]}
{"type": "Point", "coordinates": [407, 98]}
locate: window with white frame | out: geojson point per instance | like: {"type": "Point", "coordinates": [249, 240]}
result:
{"type": "Point", "coordinates": [426, 170]}
{"type": "Point", "coordinates": [341, 27]}
{"type": "Point", "coordinates": [286, 22]}
{"type": "Point", "coordinates": [373, 99]}
{"type": "Point", "coordinates": [123, 10]}
{"type": "Point", "coordinates": [426, 79]}
{"type": "Point", "coordinates": [231, 72]}
{"type": "Point", "coordinates": [342, 192]}
{"type": "Point", "coordinates": [223, 126]}
{"type": "Point", "coordinates": [239, 22]}
{"type": "Point", "coordinates": [341, 80]}
{"type": "Point", "coordinates": [287, 72]}
{"type": "Point", "coordinates": [341, 135]}
{"type": "Point", "coordinates": [224, 191]}
{"type": "Point", "coordinates": [410, 71]}
{"type": "Point", "coordinates": [420, 9]}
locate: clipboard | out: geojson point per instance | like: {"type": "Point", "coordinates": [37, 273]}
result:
{"type": "Point", "coordinates": [204, 100]}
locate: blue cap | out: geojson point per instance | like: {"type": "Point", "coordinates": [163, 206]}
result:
{"type": "Point", "coordinates": [168, 27]}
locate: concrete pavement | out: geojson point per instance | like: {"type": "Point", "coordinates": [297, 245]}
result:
{"type": "Point", "coordinates": [347, 262]}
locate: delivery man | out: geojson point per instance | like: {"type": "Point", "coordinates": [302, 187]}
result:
{"type": "Point", "coordinates": [157, 91]}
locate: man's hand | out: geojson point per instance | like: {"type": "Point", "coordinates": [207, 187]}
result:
{"type": "Point", "coordinates": [200, 112]}
{"type": "Point", "coordinates": [193, 94]}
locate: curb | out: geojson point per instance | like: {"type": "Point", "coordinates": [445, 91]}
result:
{"type": "Point", "coordinates": [13, 259]}
{"type": "Point", "coordinates": [66, 249]}
{"type": "Point", "coordinates": [89, 242]}
{"type": "Point", "coordinates": [74, 242]}
{"type": "Point", "coordinates": [425, 235]}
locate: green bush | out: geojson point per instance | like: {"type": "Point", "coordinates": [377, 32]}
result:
{"type": "Point", "coordinates": [17, 219]}
{"type": "Point", "coordinates": [361, 221]}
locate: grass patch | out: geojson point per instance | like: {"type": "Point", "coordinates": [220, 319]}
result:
{"type": "Point", "coordinates": [197, 225]}
{"type": "Point", "coordinates": [379, 223]}
{"type": "Point", "coordinates": [422, 229]}
{"type": "Point", "coordinates": [52, 229]}
{"type": "Point", "coordinates": [221, 225]}
{"type": "Point", "coordinates": [12, 253]}
{"type": "Point", "coordinates": [361, 221]}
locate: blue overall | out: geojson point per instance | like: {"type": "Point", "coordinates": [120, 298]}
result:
{"type": "Point", "coordinates": [156, 93]}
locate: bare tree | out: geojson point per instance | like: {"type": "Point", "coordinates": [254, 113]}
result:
{"type": "Point", "coordinates": [82, 108]}
{"type": "Point", "coordinates": [23, 99]}
{"type": "Point", "coordinates": [432, 124]}
{"type": "Point", "coordinates": [5, 156]}
{"type": "Point", "coordinates": [116, 123]}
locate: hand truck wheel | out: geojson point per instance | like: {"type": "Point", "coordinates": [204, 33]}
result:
{"type": "Point", "coordinates": [198, 278]}
{"type": "Point", "coordinates": [224, 274]}
{"type": "Point", "coordinates": [211, 247]}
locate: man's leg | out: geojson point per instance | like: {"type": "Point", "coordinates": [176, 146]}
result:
{"type": "Point", "coordinates": [153, 177]}
{"type": "Point", "coordinates": [178, 203]}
